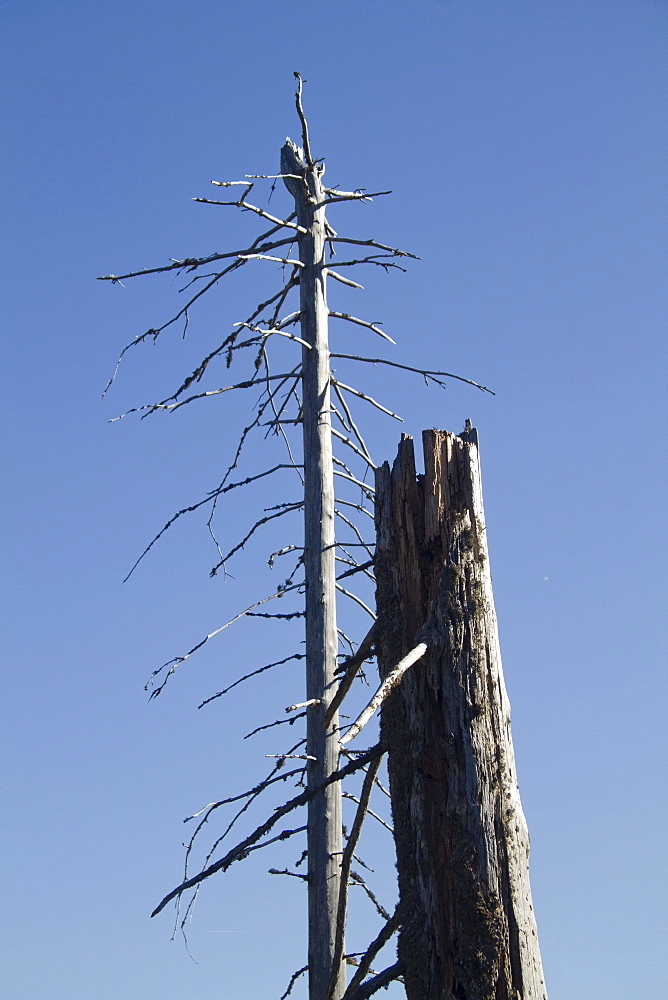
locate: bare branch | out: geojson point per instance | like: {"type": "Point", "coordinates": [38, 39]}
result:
{"type": "Point", "coordinates": [365, 487]}
{"type": "Point", "coordinates": [208, 499]}
{"type": "Point", "coordinates": [357, 600]}
{"type": "Point", "coordinates": [281, 552]}
{"type": "Point", "coordinates": [253, 208]}
{"type": "Point", "coordinates": [270, 177]}
{"type": "Point", "coordinates": [303, 704]}
{"type": "Point", "coordinates": [358, 859]}
{"type": "Point", "coordinates": [353, 527]}
{"type": "Point", "coordinates": [192, 263]}
{"type": "Point", "coordinates": [357, 568]}
{"type": "Point", "coordinates": [426, 373]}
{"type": "Point", "coordinates": [350, 666]}
{"type": "Point", "coordinates": [378, 246]}
{"type": "Point", "coordinates": [288, 509]}
{"type": "Point", "coordinates": [368, 399]}
{"type": "Point", "coordinates": [253, 673]}
{"type": "Point", "coordinates": [346, 862]}
{"type": "Point", "coordinates": [263, 333]}
{"type": "Point", "coordinates": [284, 871]}
{"type": "Point", "coordinates": [291, 756]}
{"type": "Point", "coordinates": [378, 982]}
{"type": "Point", "coordinates": [357, 506]}
{"type": "Point", "coordinates": [362, 322]}
{"type": "Point", "coordinates": [177, 660]}
{"type": "Point", "coordinates": [250, 798]}
{"type": "Point", "coordinates": [344, 281]}
{"type": "Point", "coordinates": [379, 259]}
{"type": "Point", "coordinates": [365, 964]}
{"type": "Point", "coordinates": [295, 977]}
{"type": "Point", "coordinates": [251, 383]}
{"type": "Point", "coordinates": [246, 431]}
{"type": "Point", "coordinates": [277, 260]}
{"type": "Point", "coordinates": [229, 343]}
{"type": "Point", "coordinates": [284, 835]}
{"type": "Point", "coordinates": [154, 333]}
{"type": "Point", "coordinates": [379, 784]}
{"type": "Point", "coordinates": [353, 798]}
{"type": "Point", "coordinates": [352, 425]}
{"type": "Point", "coordinates": [356, 879]}
{"type": "Point", "coordinates": [347, 640]}
{"type": "Point", "coordinates": [353, 447]}
{"type": "Point", "coordinates": [232, 822]}
{"type": "Point", "coordinates": [335, 196]}
{"type": "Point", "coordinates": [302, 118]}
{"type": "Point", "coordinates": [279, 722]}
{"type": "Point", "coordinates": [285, 617]}
{"type": "Point", "coordinates": [251, 793]}
{"type": "Point", "coordinates": [381, 694]}
{"type": "Point", "coordinates": [241, 850]}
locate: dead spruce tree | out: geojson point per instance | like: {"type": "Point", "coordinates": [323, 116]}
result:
{"type": "Point", "coordinates": [300, 392]}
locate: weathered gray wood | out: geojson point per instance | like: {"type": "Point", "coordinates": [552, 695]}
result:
{"type": "Point", "coordinates": [468, 929]}
{"type": "Point", "coordinates": [324, 836]}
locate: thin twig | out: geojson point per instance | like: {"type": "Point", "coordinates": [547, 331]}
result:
{"type": "Point", "coordinates": [379, 784]}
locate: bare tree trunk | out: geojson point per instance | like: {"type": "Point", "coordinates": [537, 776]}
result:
{"type": "Point", "coordinates": [324, 836]}
{"type": "Point", "coordinates": [468, 929]}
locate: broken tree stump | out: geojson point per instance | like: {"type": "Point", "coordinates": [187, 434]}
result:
{"type": "Point", "coordinates": [468, 929]}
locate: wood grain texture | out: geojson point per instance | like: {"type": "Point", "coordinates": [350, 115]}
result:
{"type": "Point", "coordinates": [468, 929]}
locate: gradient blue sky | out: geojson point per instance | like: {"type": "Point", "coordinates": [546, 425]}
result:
{"type": "Point", "coordinates": [525, 145]}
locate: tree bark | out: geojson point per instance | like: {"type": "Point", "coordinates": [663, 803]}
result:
{"type": "Point", "coordinates": [468, 929]}
{"type": "Point", "coordinates": [324, 833]}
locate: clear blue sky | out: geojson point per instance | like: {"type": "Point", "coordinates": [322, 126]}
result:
{"type": "Point", "coordinates": [525, 144]}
